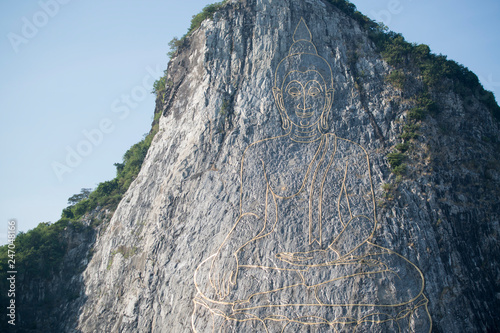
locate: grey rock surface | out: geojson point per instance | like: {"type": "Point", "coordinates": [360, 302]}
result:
{"type": "Point", "coordinates": [443, 219]}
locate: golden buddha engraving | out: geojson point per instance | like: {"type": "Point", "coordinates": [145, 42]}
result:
{"type": "Point", "coordinates": [299, 257]}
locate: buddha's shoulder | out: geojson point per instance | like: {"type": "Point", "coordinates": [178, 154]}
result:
{"type": "Point", "coordinates": [265, 147]}
{"type": "Point", "coordinates": [350, 149]}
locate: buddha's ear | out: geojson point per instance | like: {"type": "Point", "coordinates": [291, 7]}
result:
{"type": "Point", "coordinates": [278, 97]}
{"type": "Point", "coordinates": [328, 106]}
{"type": "Point", "coordinates": [329, 99]}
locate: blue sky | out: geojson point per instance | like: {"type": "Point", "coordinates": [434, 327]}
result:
{"type": "Point", "coordinates": [84, 69]}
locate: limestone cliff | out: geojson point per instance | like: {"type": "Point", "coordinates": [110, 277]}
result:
{"type": "Point", "coordinates": [429, 236]}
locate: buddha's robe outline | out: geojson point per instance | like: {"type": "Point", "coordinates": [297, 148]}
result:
{"type": "Point", "coordinates": [297, 274]}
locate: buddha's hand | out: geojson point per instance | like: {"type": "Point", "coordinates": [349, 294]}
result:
{"type": "Point", "coordinates": [223, 274]}
{"type": "Point", "coordinates": [310, 258]}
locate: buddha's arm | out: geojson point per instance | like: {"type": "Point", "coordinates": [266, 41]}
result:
{"type": "Point", "coordinates": [356, 203]}
{"type": "Point", "coordinates": [249, 226]}
{"type": "Point", "coordinates": [225, 265]}
{"type": "Point", "coordinates": [355, 233]}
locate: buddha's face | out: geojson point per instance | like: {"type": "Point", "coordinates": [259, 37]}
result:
{"type": "Point", "coordinates": [304, 97]}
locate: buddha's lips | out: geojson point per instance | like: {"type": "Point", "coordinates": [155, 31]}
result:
{"type": "Point", "coordinates": [304, 114]}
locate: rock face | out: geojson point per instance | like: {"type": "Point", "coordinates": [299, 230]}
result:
{"type": "Point", "coordinates": [255, 212]}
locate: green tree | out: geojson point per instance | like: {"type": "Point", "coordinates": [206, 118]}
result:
{"type": "Point", "coordinates": [76, 198]}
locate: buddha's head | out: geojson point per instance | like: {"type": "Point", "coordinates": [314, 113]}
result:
{"type": "Point", "coordinates": [303, 84]}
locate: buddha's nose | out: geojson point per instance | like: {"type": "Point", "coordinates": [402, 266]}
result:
{"type": "Point", "coordinates": [302, 106]}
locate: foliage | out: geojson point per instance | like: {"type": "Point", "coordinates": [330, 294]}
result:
{"type": "Point", "coordinates": [400, 169]}
{"type": "Point", "coordinates": [387, 187]}
{"type": "Point", "coordinates": [176, 43]}
{"type": "Point", "coordinates": [159, 85]}
{"type": "Point", "coordinates": [410, 131]}
{"type": "Point", "coordinates": [395, 159]}
{"type": "Point", "coordinates": [402, 147]}
{"type": "Point", "coordinates": [424, 105]}
{"type": "Point", "coordinates": [109, 193]}
{"type": "Point", "coordinates": [350, 9]}
{"type": "Point", "coordinates": [40, 251]}
{"type": "Point", "coordinates": [84, 194]}
{"type": "Point", "coordinates": [437, 71]}
{"type": "Point", "coordinates": [207, 12]}
{"type": "Point", "coordinates": [417, 114]}
{"type": "Point", "coordinates": [390, 190]}
{"type": "Point", "coordinates": [39, 254]}
{"type": "Point", "coordinates": [41, 248]}
{"type": "Point", "coordinates": [397, 78]}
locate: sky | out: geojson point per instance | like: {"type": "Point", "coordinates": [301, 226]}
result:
{"type": "Point", "coordinates": [76, 78]}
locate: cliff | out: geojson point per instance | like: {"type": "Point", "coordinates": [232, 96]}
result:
{"type": "Point", "coordinates": [380, 214]}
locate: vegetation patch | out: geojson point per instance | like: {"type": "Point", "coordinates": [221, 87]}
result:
{"type": "Point", "coordinates": [437, 71]}
{"type": "Point", "coordinates": [109, 193]}
{"type": "Point", "coordinates": [40, 251]}
{"type": "Point", "coordinates": [390, 190]}
{"type": "Point", "coordinates": [207, 12]}
{"type": "Point", "coordinates": [417, 114]}
{"type": "Point", "coordinates": [396, 160]}
{"type": "Point", "coordinates": [159, 85]}
{"type": "Point", "coordinates": [402, 147]}
{"type": "Point", "coordinates": [176, 43]}
{"type": "Point", "coordinates": [39, 254]}
{"type": "Point", "coordinates": [410, 131]}
{"type": "Point", "coordinates": [397, 78]}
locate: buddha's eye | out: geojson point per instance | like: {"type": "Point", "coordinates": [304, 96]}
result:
{"type": "Point", "coordinates": [313, 91]}
{"type": "Point", "coordinates": [294, 92]}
